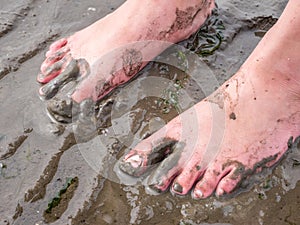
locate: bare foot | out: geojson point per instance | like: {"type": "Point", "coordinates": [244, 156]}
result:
{"type": "Point", "coordinates": [81, 54]}
{"type": "Point", "coordinates": [243, 127]}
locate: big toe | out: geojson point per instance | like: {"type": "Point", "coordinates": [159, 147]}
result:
{"type": "Point", "coordinates": [151, 151]}
{"type": "Point", "coordinates": [146, 155]}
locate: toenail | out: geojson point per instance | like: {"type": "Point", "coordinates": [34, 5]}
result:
{"type": "Point", "coordinates": [135, 161]}
{"type": "Point", "coordinates": [198, 193]}
{"type": "Point", "coordinates": [177, 188]}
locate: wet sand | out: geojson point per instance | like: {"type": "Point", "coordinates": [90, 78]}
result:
{"type": "Point", "coordinates": [35, 163]}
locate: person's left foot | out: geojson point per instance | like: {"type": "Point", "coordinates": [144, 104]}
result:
{"type": "Point", "coordinates": [111, 51]}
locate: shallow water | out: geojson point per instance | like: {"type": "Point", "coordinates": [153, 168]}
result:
{"type": "Point", "coordinates": [35, 162]}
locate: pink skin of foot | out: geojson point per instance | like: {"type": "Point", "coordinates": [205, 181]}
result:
{"type": "Point", "coordinates": [257, 112]}
{"type": "Point", "coordinates": [140, 21]}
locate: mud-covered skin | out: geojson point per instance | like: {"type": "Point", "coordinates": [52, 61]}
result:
{"type": "Point", "coordinates": [50, 89]}
{"type": "Point", "coordinates": [159, 179]}
{"type": "Point", "coordinates": [132, 62]}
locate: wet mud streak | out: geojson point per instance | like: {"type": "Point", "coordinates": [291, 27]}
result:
{"type": "Point", "coordinates": [13, 147]}
{"type": "Point", "coordinates": [10, 20]}
{"type": "Point", "coordinates": [39, 190]}
{"type": "Point", "coordinates": [15, 62]}
{"type": "Point", "coordinates": [41, 46]}
{"type": "Point", "coordinates": [89, 205]}
{"type": "Point", "coordinates": [19, 211]}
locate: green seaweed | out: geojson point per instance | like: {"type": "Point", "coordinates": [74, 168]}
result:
{"type": "Point", "coordinates": [56, 200]}
{"type": "Point", "coordinates": [209, 37]}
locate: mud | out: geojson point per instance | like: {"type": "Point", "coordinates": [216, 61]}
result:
{"type": "Point", "coordinates": [50, 89]}
{"type": "Point", "coordinates": [37, 156]}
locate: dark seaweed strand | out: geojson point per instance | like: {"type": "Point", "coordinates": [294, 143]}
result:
{"type": "Point", "coordinates": [209, 37]}
{"type": "Point", "coordinates": [56, 200]}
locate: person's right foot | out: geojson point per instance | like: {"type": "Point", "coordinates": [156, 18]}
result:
{"type": "Point", "coordinates": [143, 22]}
{"type": "Point", "coordinates": [245, 126]}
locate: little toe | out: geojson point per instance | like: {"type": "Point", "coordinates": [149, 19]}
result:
{"type": "Point", "coordinates": [57, 45]}
{"type": "Point", "coordinates": [231, 181]}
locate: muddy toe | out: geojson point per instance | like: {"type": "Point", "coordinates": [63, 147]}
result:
{"type": "Point", "coordinates": [53, 66]}
{"type": "Point", "coordinates": [57, 45]}
{"type": "Point", "coordinates": [63, 110]}
{"type": "Point", "coordinates": [164, 174]}
{"type": "Point", "coordinates": [136, 163]}
{"type": "Point", "coordinates": [50, 89]}
{"type": "Point", "coordinates": [217, 177]}
{"type": "Point", "coordinates": [186, 179]}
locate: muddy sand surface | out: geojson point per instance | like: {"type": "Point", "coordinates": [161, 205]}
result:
{"type": "Point", "coordinates": [47, 178]}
